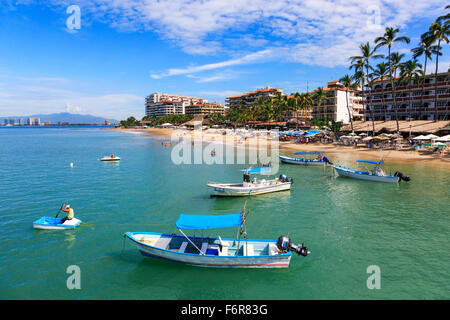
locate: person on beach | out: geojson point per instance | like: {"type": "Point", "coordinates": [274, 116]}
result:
{"type": "Point", "coordinates": [70, 213]}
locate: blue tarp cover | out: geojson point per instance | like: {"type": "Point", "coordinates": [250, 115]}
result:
{"type": "Point", "coordinates": [256, 170]}
{"type": "Point", "coordinates": [307, 152]}
{"type": "Point", "coordinates": [196, 221]}
{"type": "Point", "coordinates": [369, 161]}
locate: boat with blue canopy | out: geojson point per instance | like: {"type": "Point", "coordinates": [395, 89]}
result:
{"type": "Point", "coordinates": [319, 160]}
{"type": "Point", "coordinates": [49, 223]}
{"type": "Point", "coordinates": [215, 251]}
{"type": "Point", "coordinates": [251, 186]}
{"type": "Point", "coordinates": [375, 174]}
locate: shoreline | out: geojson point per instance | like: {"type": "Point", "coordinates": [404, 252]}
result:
{"type": "Point", "coordinates": [289, 147]}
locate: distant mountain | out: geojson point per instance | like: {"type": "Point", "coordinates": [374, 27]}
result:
{"type": "Point", "coordinates": [72, 118]}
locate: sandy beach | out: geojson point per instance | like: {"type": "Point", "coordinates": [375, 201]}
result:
{"type": "Point", "coordinates": [288, 147]}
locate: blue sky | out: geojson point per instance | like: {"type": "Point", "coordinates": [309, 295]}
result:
{"type": "Point", "coordinates": [127, 49]}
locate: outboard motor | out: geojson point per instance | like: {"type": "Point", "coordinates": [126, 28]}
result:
{"type": "Point", "coordinates": [401, 176]}
{"type": "Point", "coordinates": [327, 160]}
{"type": "Point", "coordinates": [285, 245]}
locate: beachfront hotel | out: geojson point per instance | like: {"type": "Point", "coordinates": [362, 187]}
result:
{"type": "Point", "coordinates": [248, 99]}
{"type": "Point", "coordinates": [164, 104]}
{"type": "Point", "coordinates": [334, 106]}
{"type": "Point", "coordinates": [158, 97]}
{"type": "Point", "coordinates": [205, 109]}
{"type": "Point", "coordinates": [409, 99]}
{"type": "Point", "coordinates": [164, 108]}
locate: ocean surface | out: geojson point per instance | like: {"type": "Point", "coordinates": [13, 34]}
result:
{"type": "Point", "coordinates": [348, 225]}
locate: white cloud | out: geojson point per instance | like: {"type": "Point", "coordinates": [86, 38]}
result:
{"type": "Point", "coordinates": [314, 31]}
{"type": "Point", "coordinates": [250, 58]}
{"type": "Point", "coordinates": [72, 109]}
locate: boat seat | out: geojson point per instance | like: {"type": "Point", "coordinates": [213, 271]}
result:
{"type": "Point", "coordinates": [273, 249]}
{"type": "Point", "coordinates": [248, 250]}
{"type": "Point", "coordinates": [204, 247]}
{"type": "Point", "coordinates": [225, 245]}
{"type": "Point", "coordinates": [183, 247]}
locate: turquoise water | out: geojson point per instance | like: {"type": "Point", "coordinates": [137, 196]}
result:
{"type": "Point", "coordinates": [347, 224]}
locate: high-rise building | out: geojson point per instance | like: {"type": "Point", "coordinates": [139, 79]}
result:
{"type": "Point", "coordinates": [249, 98]}
{"type": "Point", "coordinates": [205, 109]}
{"type": "Point", "coordinates": [164, 108]}
{"type": "Point", "coordinates": [334, 106]}
{"type": "Point", "coordinates": [415, 101]}
{"type": "Point", "coordinates": [162, 104]}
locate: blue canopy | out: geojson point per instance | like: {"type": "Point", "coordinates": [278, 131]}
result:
{"type": "Point", "coordinates": [256, 170]}
{"type": "Point", "coordinates": [195, 221]}
{"type": "Point", "coordinates": [368, 161]}
{"type": "Point", "coordinates": [307, 152]}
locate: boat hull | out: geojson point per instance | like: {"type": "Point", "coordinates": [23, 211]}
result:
{"type": "Point", "coordinates": [110, 159]}
{"type": "Point", "coordinates": [230, 190]}
{"type": "Point", "coordinates": [48, 223]}
{"type": "Point", "coordinates": [345, 172]}
{"type": "Point", "coordinates": [212, 261]}
{"type": "Point", "coordinates": [302, 161]}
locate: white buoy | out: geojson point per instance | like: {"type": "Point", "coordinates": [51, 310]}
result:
{"type": "Point", "coordinates": [71, 164]}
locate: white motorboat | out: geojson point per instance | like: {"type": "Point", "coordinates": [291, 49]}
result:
{"type": "Point", "coordinates": [377, 174]}
{"type": "Point", "coordinates": [251, 187]}
{"type": "Point", "coordinates": [111, 158]}
{"type": "Point", "coordinates": [216, 252]}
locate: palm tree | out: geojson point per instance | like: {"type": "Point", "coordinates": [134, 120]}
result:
{"type": "Point", "coordinates": [349, 84]}
{"type": "Point", "coordinates": [319, 95]}
{"type": "Point", "coordinates": [438, 32]}
{"type": "Point", "coordinates": [387, 40]}
{"type": "Point", "coordinates": [306, 103]}
{"type": "Point", "coordinates": [409, 72]}
{"type": "Point", "coordinates": [426, 49]}
{"type": "Point", "coordinates": [366, 54]}
{"type": "Point", "coordinates": [359, 77]}
{"type": "Point", "coordinates": [380, 73]}
{"type": "Point", "coordinates": [296, 99]}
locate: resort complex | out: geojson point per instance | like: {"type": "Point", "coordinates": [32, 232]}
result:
{"type": "Point", "coordinates": [428, 100]}
{"type": "Point", "coordinates": [250, 98]}
{"type": "Point", "coordinates": [163, 104]}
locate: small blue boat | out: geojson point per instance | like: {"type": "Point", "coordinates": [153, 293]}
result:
{"type": "Point", "coordinates": [216, 252]}
{"type": "Point", "coordinates": [49, 223]}
{"type": "Point", "coordinates": [320, 161]}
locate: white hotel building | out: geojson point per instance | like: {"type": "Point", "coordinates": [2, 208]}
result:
{"type": "Point", "coordinates": [162, 104]}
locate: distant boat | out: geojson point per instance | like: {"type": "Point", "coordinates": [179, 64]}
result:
{"type": "Point", "coordinates": [252, 187]}
{"type": "Point", "coordinates": [49, 223]}
{"type": "Point", "coordinates": [216, 252]}
{"type": "Point", "coordinates": [111, 158]}
{"type": "Point", "coordinates": [376, 174]}
{"type": "Point", "coordinates": [320, 161]}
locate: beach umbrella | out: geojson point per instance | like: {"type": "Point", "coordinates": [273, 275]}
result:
{"type": "Point", "coordinates": [421, 137]}
{"type": "Point", "coordinates": [367, 139]}
{"type": "Point", "coordinates": [431, 137]}
{"type": "Point", "coordinates": [363, 134]}
{"type": "Point", "coordinates": [443, 139]}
